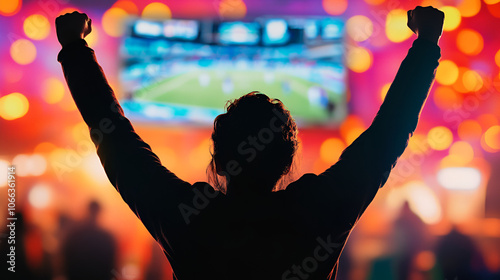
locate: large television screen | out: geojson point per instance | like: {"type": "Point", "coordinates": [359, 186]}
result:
{"type": "Point", "coordinates": [182, 71]}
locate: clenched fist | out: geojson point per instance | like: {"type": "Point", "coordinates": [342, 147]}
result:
{"type": "Point", "coordinates": [426, 22]}
{"type": "Point", "coordinates": [72, 27]}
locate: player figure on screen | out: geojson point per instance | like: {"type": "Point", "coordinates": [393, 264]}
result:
{"type": "Point", "coordinates": [250, 222]}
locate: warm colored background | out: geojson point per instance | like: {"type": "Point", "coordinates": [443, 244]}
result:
{"type": "Point", "coordinates": [58, 172]}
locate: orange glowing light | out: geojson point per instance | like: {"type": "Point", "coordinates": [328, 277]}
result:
{"type": "Point", "coordinates": [472, 81]}
{"type": "Point", "coordinates": [335, 7]}
{"type": "Point", "coordinates": [68, 10]}
{"type": "Point", "coordinates": [395, 26]}
{"type": "Point", "coordinates": [351, 128]}
{"type": "Point", "coordinates": [447, 72]}
{"type": "Point", "coordinates": [425, 260]}
{"type": "Point", "coordinates": [232, 9]}
{"type": "Point", "coordinates": [53, 90]}
{"type": "Point", "coordinates": [487, 120]}
{"type": "Point", "coordinates": [492, 137]}
{"type": "Point", "coordinates": [44, 148]}
{"type": "Point", "coordinates": [374, 2]}
{"type": "Point", "coordinates": [23, 51]}
{"type": "Point", "coordinates": [423, 201]}
{"type": "Point", "coordinates": [494, 9]}
{"type": "Point", "coordinates": [384, 90]}
{"type": "Point", "coordinates": [452, 18]}
{"type": "Point", "coordinates": [469, 8]}
{"type": "Point", "coordinates": [113, 21]}
{"type": "Point", "coordinates": [10, 7]}
{"type": "Point", "coordinates": [439, 138]}
{"type": "Point", "coordinates": [359, 28]}
{"type": "Point", "coordinates": [418, 144]}
{"type": "Point", "coordinates": [156, 10]}
{"type": "Point", "coordinates": [470, 42]}
{"type": "Point", "coordinates": [93, 37]}
{"type": "Point", "coordinates": [491, 2]}
{"type": "Point", "coordinates": [36, 27]}
{"type": "Point", "coordinates": [358, 59]}
{"type": "Point", "coordinates": [445, 98]}
{"type": "Point", "coordinates": [469, 130]}
{"type": "Point", "coordinates": [127, 6]}
{"type": "Point", "coordinates": [497, 58]}
{"type": "Point", "coordinates": [331, 149]}
{"type": "Point", "coordinates": [463, 151]}
{"type": "Point", "coordinates": [459, 83]}
{"type": "Point", "coordinates": [13, 106]}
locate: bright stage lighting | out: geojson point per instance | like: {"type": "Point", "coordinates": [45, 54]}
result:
{"type": "Point", "coordinates": [459, 178]}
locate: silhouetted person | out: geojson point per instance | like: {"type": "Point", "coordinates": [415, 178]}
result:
{"type": "Point", "coordinates": [238, 227]}
{"type": "Point", "coordinates": [89, 252]}
{"type": "Point", "coordinates": [457, 257]}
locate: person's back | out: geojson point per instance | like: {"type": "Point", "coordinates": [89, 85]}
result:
{"type": "Point", "coordinates": [244, 225]}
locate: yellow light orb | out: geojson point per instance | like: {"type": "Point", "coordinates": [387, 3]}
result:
{"type": "Point", "coordinates": [447, 72]}
{"type": "Point", "coordinates": [23, 51]}
{"type": "Point", "coordinates": [13, 106]}
{"type": "Point", "coordinates": [113, 21]}
{"type": "Point", "coordinates": [359, 28]}
{"type": "Point", "coordinates": [331, 150]}
{"type": "Point", "coordinates": [156, 10]}
{"type": "Point", "coordinates": [469, 130]}
{"type": "Point", "coordinates": [462, 151]}
{"type": "Point", "coordinates": [384, 90]}
{"type": "Point", "coordinates": [491, 2]}
{"type": "Point", "coordinates": [335, 7]}
{"type": "Point", "coordinates": [93, 37]}
{"type": "Point", "coordinates": [452, 18]}
{"type": "Point", "coordinates": [53, 90]}
{"type": "Point", "coordinates": [445, 98]}
{"type": "Point", "coordinates": [358, 59]}
{"type": "Point", "coordinates": [439, 138]}
{"type": "Point", "coordinates": [36, 27]}
{"type": "Point", "coordinates": [497, 58]}
{"type": "Point", "coordinates": [418, 144]}
{"type": "Point", "coordinates": [10, 7]}
{"type": "Point", "coordinates": [128, 6]}
{"type": "Point", "coordinates": [472, 80]}
{"type": "Point", "coordinates": [232, 9]}
{"type": "Point", "coordinates": [396, 29]}
{"type": "Point", "coordinates": [469, 8]}
{"type": "Point", "coordinates": [459, 83]}
{"type": "Point", "coordinates": [492, 137]}
{"type": "Point", "coordinates": [470, 42]}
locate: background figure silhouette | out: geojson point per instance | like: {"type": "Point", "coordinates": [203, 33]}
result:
{"type": "Point", "coordinates": [458, 257]}
{"type": "Point", "coordinates": [251, 224]}
{"type": "Point", "coordinates": [89, 252]}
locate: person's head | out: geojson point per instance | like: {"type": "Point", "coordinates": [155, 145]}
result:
{"type": "Point", "coordinates": [254, 144]}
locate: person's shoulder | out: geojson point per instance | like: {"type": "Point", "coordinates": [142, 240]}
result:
{"type": "Point", "coordinates": [306, 180]}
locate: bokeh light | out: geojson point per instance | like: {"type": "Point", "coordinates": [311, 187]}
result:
{"type": "Point", "coordinates": [36, 27]}
{"type": "Point", "coordinates": [445, 97]}
{"type": "Point", "coordinates": [374, 2]}
{"type": "Point", "coordinates": [13, 106]}
{"type": "Point", "coordinates": [425, 260]}
{"type": "Point", "coordinates": [3, 175]}
{"type": "Point", "coordinates": [418, 144]}
{"type": "Point", "coordinates": [470, 42]}
{"type": "Point", "coordinates": [459, 83]}
{"type": "Point", "coordinates": [359, 28]}
{"type": "Point", "coordinates": [469, 130]}
{"type": "Point", "coordinates": [491, 2]}
{"type": "Point", "coordinates": [23, 51]}
{"type": "Point", "coordinates": [452, 18]}
{"type": "Point", "coordinates": [492, 137]}
{"type": "Point", "coordinates": [439, 138]}
{"type": "Point", "coordinates": [232, 9]}
{"type": "Point", "coordinates": [335, 7]}
{"type": "Point", "coordinates": [358, 59]}
{"type": "Point", "coordinates": [395, 26]}
{"type": "Point", "coordinates": [447, 72]}
{"type": "Point", "coordinates": [113, 21]}
{"type": "Point", "coordinates": [156, 10]}
{"type": "Point", "coordinates": [10, 7]}
{"type": "Point", "coordinates": [384, 90]}
{"type": "Point", "coordinates": [462, 151]}
{"type": "Point", "coordinates": [423, 202]}
{"type": "Point", "coordinates": [459, 178]}
{"type": "Point", "coordinates": [128, 6]}
{"type": "Point", "coordinates": [472, 81]}
{"type": "Point", "coordinates": [53, 90]}
{"type": "Point", "coordinates": [497, 58]}
{"type": "Point", "coordinates": [331, 149]}
{"type": "Point", "coordinates": [469, 8]}
{"type": "Point", "coordinates": [40, 196]}
{"type": "Point", "coordinates": [29, 165]}
{"type": "Point", "coordinates": [351, 128]}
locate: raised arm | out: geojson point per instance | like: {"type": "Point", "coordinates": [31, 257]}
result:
{"type": "Point", "coordinates": [351, 184]}
{"type": "Point", "coordinates": [133, 169]}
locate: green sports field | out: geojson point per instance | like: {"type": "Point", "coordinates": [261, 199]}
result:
{"type": "Point", "coordinates": [186, 89]}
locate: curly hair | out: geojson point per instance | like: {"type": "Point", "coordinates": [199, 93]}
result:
{"type": "Point", "coordinates": [257, 137]}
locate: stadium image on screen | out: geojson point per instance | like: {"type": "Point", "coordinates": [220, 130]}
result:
{"type": "Point", "coordinates": [184, 71]}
